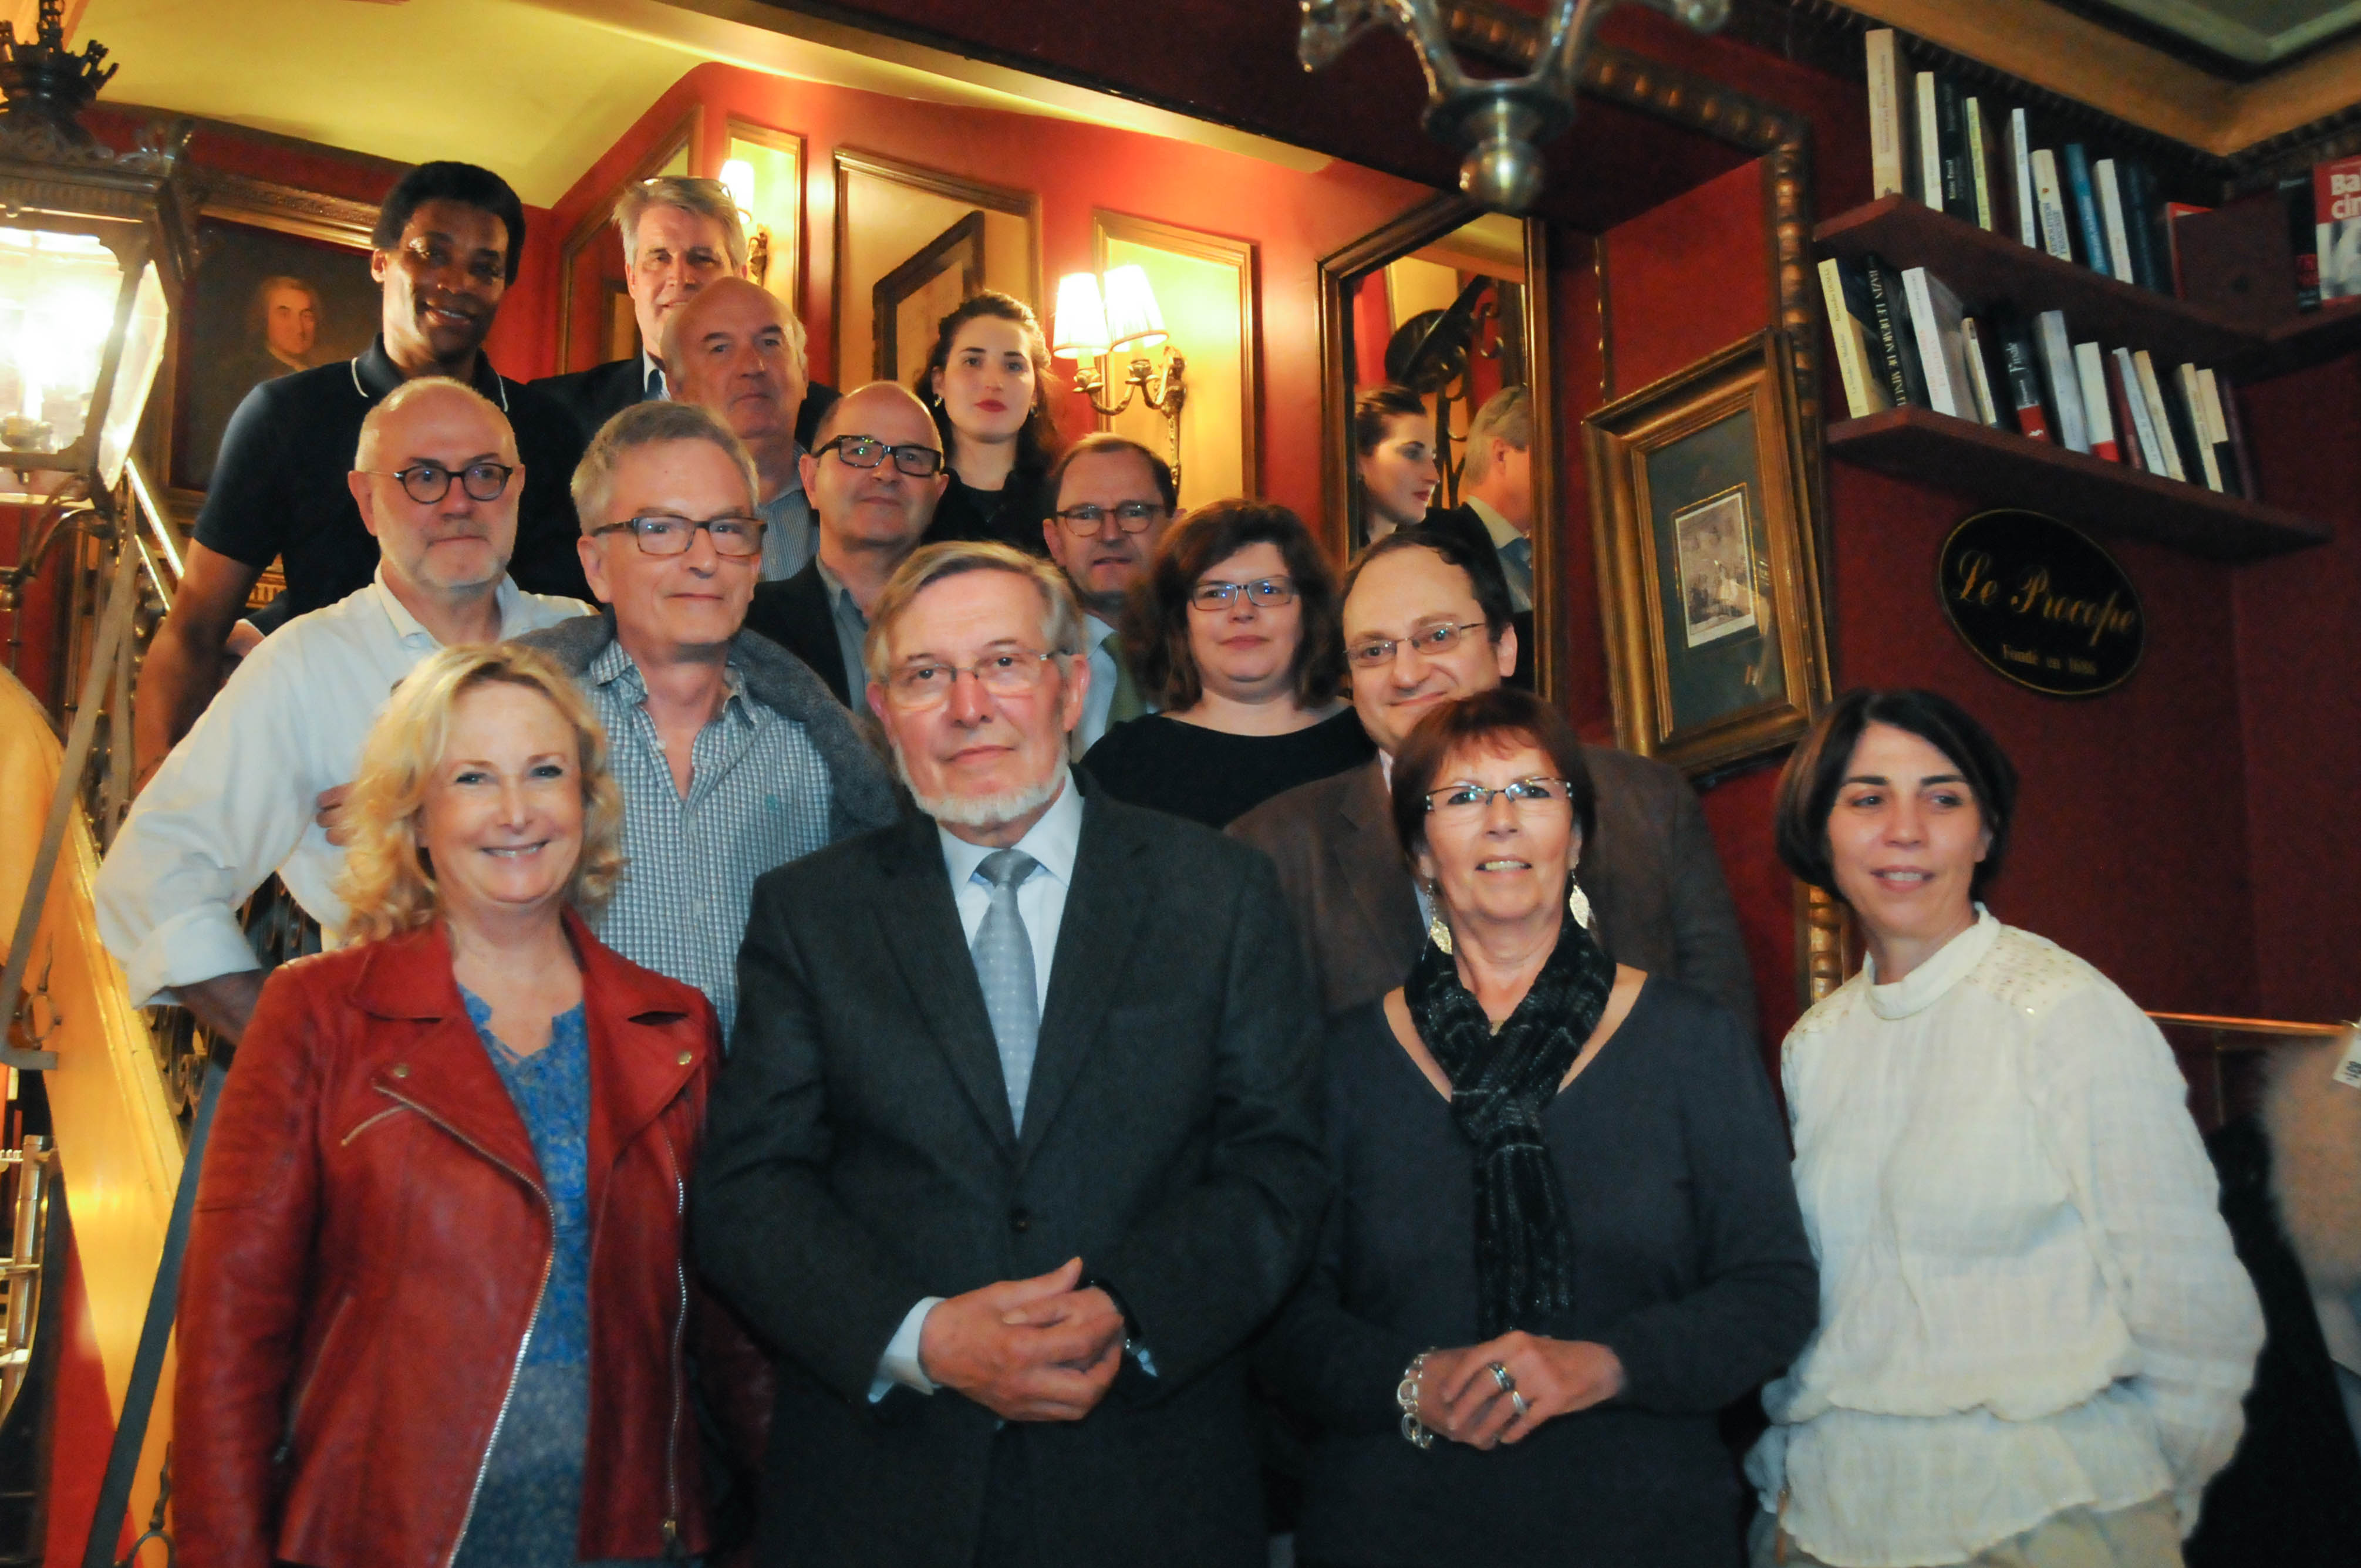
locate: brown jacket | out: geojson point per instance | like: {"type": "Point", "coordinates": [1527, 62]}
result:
{"type": "Point", "coordinates": [369, 1247]}
{"type": "Point", "coordinates": [1654, 884]}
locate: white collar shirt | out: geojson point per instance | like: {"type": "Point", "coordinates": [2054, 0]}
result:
{"type": "Point", "coordinates": [235, 800]}
{"type": "Point", "coordinates": [1515, 551]}
{"type": "Point", "coordinates": [1054, 841]}
{"type": "Point", "coordinates": [2028, 1300]}
{"type": "Point", "coordinates": [1100, 638]}
{"type": "Point", "coordinates": [654, 386]}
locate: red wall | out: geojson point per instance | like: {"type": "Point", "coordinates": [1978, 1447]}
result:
{"type": "Point", "coordinates": [1293, 218]}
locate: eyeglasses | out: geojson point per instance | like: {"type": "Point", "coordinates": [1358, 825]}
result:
{"type": "Point", "coordinates": [427, 483]}
{"type": "Point", "coordinates": [1261, 591]}
{"type": "Point", "coordinates": [661, 533]}
{"type": "Point", "coordinates": [1430, 641]}
{"type": "Point", "coordinates": [1463, 802]}
{"type": "Point", "coordinates": [913, 458]}
{"type": "Point", "coordinates": [1132, 517]}
{"type": "Point", "coordinates": [1014, 672]}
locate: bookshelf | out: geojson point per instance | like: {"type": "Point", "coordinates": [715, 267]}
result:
{"type": "Point", "coordinates": [2004, 468]}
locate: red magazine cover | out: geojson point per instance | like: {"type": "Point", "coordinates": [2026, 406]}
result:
{"type": "Point", "coordinates": [2336, 212]}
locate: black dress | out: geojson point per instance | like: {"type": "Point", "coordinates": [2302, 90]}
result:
{"type": "Point", "coordinates": [1212, 776]}
{"type": "Point", "coordinates": [1690, 1262]}
{"type": "Point", "coordinates": [1011, 515]}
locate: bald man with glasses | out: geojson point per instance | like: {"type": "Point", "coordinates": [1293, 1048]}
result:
{"type": "Point", "coordinates": [873, 474]}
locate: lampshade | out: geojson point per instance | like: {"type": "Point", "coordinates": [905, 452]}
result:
{"type": "Point", "coordinates": [1132, 319]}
{"type": "Point", "coordinates": [1080, 328]}
{"type": "Point", "coordinates": [739, 175]}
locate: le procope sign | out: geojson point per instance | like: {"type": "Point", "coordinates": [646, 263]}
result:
{"type": "Point", "coordinates": [2041, 604]}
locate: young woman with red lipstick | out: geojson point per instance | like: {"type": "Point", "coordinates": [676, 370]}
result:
{"type": "Point", "coordinates": [2033, 1332]}
{"type": "Point", "coordinates": [1237, 632]}
{"type": "Point", "coordinates": [987, 384]}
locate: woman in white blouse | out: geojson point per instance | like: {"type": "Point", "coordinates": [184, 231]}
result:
{"type": "Point", "coordinates": [2034, 1334]}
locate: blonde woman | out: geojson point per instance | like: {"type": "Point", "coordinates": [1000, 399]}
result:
{"type": "Point", "coordinates": [435, 1302]}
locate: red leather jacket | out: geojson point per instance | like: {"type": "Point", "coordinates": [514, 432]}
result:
{"type": "Point", "coordinates": [369, 1246]}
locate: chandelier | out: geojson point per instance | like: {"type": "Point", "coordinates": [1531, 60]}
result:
{"type": "Point", "coordinates": [1500, 122]}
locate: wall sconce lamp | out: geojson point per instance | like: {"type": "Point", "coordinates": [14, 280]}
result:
{"type": "Point", "coordinates": [738, 174]}
{"type": "Point", "coordinates": [1502, 122]}
{"type": "Point", "coordinates": [1099, 317]}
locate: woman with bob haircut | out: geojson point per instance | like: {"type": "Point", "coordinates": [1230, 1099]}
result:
{"type": "Point", "coordinates": [987, 382]}
{"type": "Point", "coordinates": [434, 1303]}
{"type": "Point", "coordinates": [2034, 1333]}
{"type": "Point", "coordinates": [1394, 458]}
{"type": "Point", "coordinates": [1564, 1237]}
{"type": "Point", "coordinates": [1237, 633]}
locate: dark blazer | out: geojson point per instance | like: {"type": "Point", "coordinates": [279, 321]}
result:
{"type": "Point", "coordinates": [597, 395]}
{"type": "Point", "coordinates": [794, 614]}
{"type": "Point", "coordinates": [1655, 883]}
{"type": "Point", "coordinates": [861, 1156]}
{"type": "Point", "coordinates": [2291, 1495]}
{"type": "Point", "coordinates": [1461, 523]}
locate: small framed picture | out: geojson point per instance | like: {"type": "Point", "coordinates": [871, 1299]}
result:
{"type": "Point", "coordinates": [1708, 565]}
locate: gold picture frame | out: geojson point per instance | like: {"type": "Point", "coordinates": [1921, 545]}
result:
{"type": "Point", "coordinates": [1223, 379]}
{"type": "Point", "coordinates": [585, 274]}
{"type": "Point", "coordinates": [1709, 560]}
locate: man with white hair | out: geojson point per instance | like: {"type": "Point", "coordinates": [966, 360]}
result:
{"type": "Point", "coordinates": [678, 235]}
{"type": "Point", "coordinates": [738, 352]}
{"type": "Point", "coordinates": [1018, 1144]}
{"type": "Point", "coordinates": [1495, 514]}
{"type": "Point", "coordinates": [437, 481]}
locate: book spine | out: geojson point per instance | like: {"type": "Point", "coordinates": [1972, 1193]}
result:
{"type": "Point", "coordinates": [2303, 238]}
{"type": "Point", "coordinates": [1845, 332]}
{"type": "Point", "coordinates": [2090, 375]}
{"type": "Point", "coordinates": [2017, 365]}
{"type": "Point", "coordinates": [2051, 201]}
{"type": "Point", "coordinates": [2191, 411]}
{"type": "Point", "coordinates": [2159, 415]}
{"type": "Point", "coordinates": [1951, 125]}
{"type": "Point", "coordinates": [1930, 142]}
{"type": "Point", "coordinates": [2140, 208]}
{"type": "Point", "coordinates": [1979, 372]}
{"type": "Point", "coordinates": [1893, 344]}
{"type": "Point", "coordinates": [2217, 431]}
{"type": "Point", "coordinates": [2088, 229]}
{"type": "Point", "coordinates": [2111, 212]}
{"type": "Point", "coordinates": [1889, 147]}
{"type": "Point", "coordinates": [1980, 172]}
{"type": "Point", "coordinates": [2020, 179]}
{"type": "Point", "coordinates": [2065, 384]}
{"type": "Point", "coordinates": [1927, 327]}
{"type": "Point", "coordinates": [2119, 406]}
{"type": "Point", "coordinates": [2143, 428]}
{"type": "Point", "coordinates": [2243, 454]}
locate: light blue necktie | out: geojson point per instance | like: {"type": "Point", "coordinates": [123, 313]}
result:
{"type": "Point", "coordinates": [1517, 562]}
{"type": "Point", "coordinates": [1003, 965]}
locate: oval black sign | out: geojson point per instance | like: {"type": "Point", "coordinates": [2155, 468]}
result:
{"type": "Point", "coordinates": [2041, 604]}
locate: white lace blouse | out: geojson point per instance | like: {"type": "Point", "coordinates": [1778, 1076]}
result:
{"type": "Point", "coordinates": [2028, 1300]}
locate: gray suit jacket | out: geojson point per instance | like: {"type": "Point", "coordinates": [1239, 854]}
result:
{"type": "Point", "coordinates": [861, 1156]}
{"type": "Point", "coordinates": [1655, 885]}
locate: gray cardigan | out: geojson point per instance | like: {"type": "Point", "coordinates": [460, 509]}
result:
{"type": "Point", "coordinates": [861, 791]}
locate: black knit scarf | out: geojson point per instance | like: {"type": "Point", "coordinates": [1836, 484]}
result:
{"type": "Point", "coordinates": [1500, 1085]}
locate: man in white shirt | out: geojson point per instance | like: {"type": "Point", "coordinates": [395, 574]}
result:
{"type": "Point", "coordinates": [437, 481]}
{"type": "Point", "coordinates": [1111, 500]}
{"type": "Point", "coordinates": [738, 352]}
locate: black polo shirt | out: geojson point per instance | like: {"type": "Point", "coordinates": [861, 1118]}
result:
{"type": "Point", "coordinates": [278, 489]}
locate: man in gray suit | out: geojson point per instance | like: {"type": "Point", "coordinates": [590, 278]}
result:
{"type": "Point", "coordinates": [1017, 1143]}
{"type": "Point", "coordinates": [1427, 621]}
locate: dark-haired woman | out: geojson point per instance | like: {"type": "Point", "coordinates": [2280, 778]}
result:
{"type": "Point", "coordinates": [1237, 633]}
{"type": "Point", "coordinates": [1393, 458]}
{"type": "Point", "coordinates": [1563, 1236]}
{"type": "Point", "coordinates": [987, 383]}
{"type": "Point", "coordinates": [2034, 1333]}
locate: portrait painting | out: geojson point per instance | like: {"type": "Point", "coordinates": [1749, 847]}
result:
{"type": "Point", "coordinates": [262, 303]}
{"type": "Point", "coordinates": [1717, 567]}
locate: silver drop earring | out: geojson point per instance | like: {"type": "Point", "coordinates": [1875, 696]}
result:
{"type": "Point", "coordinates": [1437, 931]}
{"type": "Point", "coordinates": [1578, 903]}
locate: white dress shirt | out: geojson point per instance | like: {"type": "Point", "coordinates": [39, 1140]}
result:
{"type": "Point", "coordinates": [235, 801]}
{"type": "Point", "coordinates": [2028, 1300]}
{"type": "Point", "coordinates": [1515, 551]}
{"type": "Point", "coordinates": [1054, 841]}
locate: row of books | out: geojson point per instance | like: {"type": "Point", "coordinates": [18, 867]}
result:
{"type": "Point", "coordinates": [1904, 339]}
{"type": "Point", "coordinates": [1968, 155]}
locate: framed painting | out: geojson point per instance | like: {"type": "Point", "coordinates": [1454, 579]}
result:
{"type": "Point", "coordinates": [911, 243]}
{"type": "Point", "coordinates": [908, 302]}
{"type": "Point", "coordinates": [594, 320]}
{"type": "Point", "coordinates": [281, 284]}
{"type": "Point", "coordinates": [1709, 566]}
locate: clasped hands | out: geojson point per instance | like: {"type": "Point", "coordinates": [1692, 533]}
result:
{"type": "Point", "coordinates": [1459, 1397]}
{"type": "Point", "coordinates": [1027, 1350]}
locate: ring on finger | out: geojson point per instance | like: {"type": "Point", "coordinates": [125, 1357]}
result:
{"type": "Point", "coordinates": [1517, 1402]}
{"type": "Point", "coordinates": [1501, 1376]}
